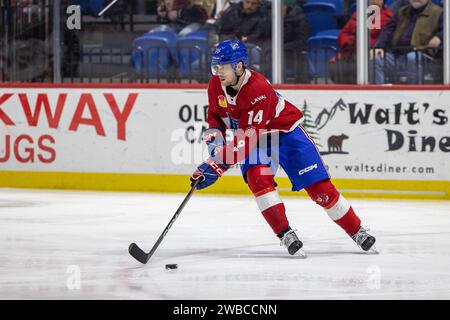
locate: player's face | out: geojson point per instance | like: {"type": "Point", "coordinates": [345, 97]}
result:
{"type": "Point", "coordinates": [225, 73]}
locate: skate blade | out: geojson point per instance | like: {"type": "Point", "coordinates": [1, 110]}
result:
{"type": "Point", "coordinates": [373, 250]}
{"type": "Point", "coordinates": [300, 254]}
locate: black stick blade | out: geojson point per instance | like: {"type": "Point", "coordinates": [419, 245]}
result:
{"type": "Point", "coordinates": [138, 253]}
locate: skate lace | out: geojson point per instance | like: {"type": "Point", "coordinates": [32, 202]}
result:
{"type": "Point", "coordinates": [361, 235]}
{"type": "Point", "coordinates": [287, 238]}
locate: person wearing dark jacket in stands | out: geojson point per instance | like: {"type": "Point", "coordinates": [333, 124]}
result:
{"type": "Point", "coordinates": [183, 16]}
{"type": "Point", "coordinates": [296, 26]}
{"type": "Point", "coordinates": [296, 33]}
{"type": "Point", "coordinates": [244, 21]}
{"type": "Point", "coordinates": [412, 35]}
{"type": "Point", "coordinates": [295, 36]}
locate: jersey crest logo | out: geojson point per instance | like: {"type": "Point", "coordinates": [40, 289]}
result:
{"type": "Point", "coordinates": [234, 123]}
{"type": "Point", "coordinates": [222, 101]}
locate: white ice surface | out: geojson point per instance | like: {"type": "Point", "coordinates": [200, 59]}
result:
{"type": "Point", "coordinates": [223, 247]}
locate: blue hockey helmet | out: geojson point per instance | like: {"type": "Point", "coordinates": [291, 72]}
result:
{"type": "Point", "coordinates": [230, 52]}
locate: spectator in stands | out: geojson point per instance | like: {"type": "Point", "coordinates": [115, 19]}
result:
{"type": "Point", "coordinates": [296, 26]}
{"type": "Point", "coordinates": [244, 21]}
{"type": "Point", "coordinates": [220, 7]}
{"type": "Point", "coordinates": [28, 57]}
{"type": "Point", "coordinates": [296, 33]}
{"type": "Point", "coordinates": [184, 16]}
{"type": "Point", "coordinates": [343, 66]}
{"type": "Point", "coordinates": [208, 5]}
{"type": "Point", "coordinates": [412, 35]}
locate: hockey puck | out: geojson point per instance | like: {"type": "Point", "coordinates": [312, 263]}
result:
{"type": "Point", "coordinates": [171, 266]}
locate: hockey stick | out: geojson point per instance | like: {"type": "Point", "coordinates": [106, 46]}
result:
{"type": "Point", "coordinates": [143, 257]}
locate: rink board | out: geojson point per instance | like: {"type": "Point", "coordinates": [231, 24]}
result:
{"type": "Point", "coordinates": [390, 142]}
{"type": "Point", "coordinates": [389, 189]}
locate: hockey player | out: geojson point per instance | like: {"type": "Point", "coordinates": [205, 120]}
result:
{"type": "Point", "coordinates": [243, 100]}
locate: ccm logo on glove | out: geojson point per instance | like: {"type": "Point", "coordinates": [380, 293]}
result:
{"type": "Point", "coordinates": [215, 167]}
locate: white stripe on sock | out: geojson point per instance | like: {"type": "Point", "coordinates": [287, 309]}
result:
{"type": "Point", "coordinates": [268, 200]}
{"type": "Point", "coordinates": [339, 209]}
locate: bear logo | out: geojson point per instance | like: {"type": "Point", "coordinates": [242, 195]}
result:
{"type": "Point", "coordinates": [335, 143]}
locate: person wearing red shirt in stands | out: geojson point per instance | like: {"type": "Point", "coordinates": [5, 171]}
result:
{"type": "Point", "coordinates": [343, 66]}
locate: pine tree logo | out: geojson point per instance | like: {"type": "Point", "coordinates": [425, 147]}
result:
{"type": "Point", "coordinates": [309, 125]}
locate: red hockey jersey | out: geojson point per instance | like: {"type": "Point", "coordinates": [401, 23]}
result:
{"type": "Point", "coordinates": [256, 105]}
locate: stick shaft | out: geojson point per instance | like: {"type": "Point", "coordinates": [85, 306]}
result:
{"type": "Point", "coordinates": [175, 216]}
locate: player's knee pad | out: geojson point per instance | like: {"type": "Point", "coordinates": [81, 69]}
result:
{"type": "Point", "coordinates": [260, 178]}
{"type": "Point", "coordinates": [261, 183]}
{"type": "Point", "coordinates": [335, 205]}
{"type": "Point", "coordinates": [323, 193]}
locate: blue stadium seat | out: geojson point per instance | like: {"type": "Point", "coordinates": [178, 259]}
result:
{"type": "Point", "coordinates": [97, 6]}
{"type": "Point", "coordinates": [84, 5]}
{"type": "Point", "coordinates": [320, 50]}
{"type": "Point", "coordinates": [193, 54]}
{"type": "Point", "coordinates": [92, 7]}
{"type": "Point", "coordinates": [331, 32]}
{"type": "Point", "coordinates": [154, 53]}
{"type": "Point", "coordinates": [321, 16]}
{"type": "Point", "coordinates": [339, 5]}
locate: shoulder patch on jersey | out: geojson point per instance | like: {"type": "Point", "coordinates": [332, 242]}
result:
{"type": "Point", "coordinates": [222, 101]}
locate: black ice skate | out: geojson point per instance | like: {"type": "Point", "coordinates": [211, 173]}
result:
{"type": "Point", "coordinates": [290, 240]}
{"type": "Point", "coordinates": [364, 240]}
